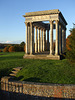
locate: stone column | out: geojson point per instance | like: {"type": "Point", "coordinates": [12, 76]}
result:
{"type": "Point", "coordinates": [35, 39]}
{"type": "Point", "coordinates": [57, 38]}
{"type": "Point", "coordinates": [41, 40]}
{"type": "Point", "coordinates": [31, 39]}
{"type": "Point", "coordinates": [60, 40]}
{"type": "Point", "coordinates": [26, 38]}
{"type": "Point", "coordinates": [38, 39]}
{"type": "Point", "coordinates": [47, 39]}
{"type": "Point", "coordinates": [51, 37]}
{"type": "Point", "coordinates": [64, 39]}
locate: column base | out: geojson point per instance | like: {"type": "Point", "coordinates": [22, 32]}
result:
{"type": "Point", "coordinates": [56, 57]}
{"type": "Point", "coordinates": [36, 52]}
{"type": "Point", "coordinates": [42, 56]}
{"type": "Point", "coordinates": [28, 56]}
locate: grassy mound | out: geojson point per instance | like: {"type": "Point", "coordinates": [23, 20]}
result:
{"type": "Point", "coordinates": [48, 71]}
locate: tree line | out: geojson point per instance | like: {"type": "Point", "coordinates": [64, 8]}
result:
{"type": "Point", "coordinates": [69, 52]}
{"type": "Point", "coordinates": [70, 46]}
{"type": "Point", "coordinates": [13, 47]}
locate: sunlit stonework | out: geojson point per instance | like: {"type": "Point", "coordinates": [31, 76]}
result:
{"type": "Point", "coordinates": [38, 34]}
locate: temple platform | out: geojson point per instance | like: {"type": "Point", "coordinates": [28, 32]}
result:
{"type": "Point", "coordinates": [42, 55]}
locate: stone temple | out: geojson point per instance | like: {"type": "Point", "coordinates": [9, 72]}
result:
{"type": "Point", "coordinates": [40, 34]}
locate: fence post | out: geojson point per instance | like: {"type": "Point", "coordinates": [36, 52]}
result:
{"type": "Point", "coordinates": [4, 83]}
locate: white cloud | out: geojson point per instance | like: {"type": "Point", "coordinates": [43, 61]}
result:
{"type": "Point", "coordinates": [12, 42]}
{"type": "Point", "coordinates": [8, 42]}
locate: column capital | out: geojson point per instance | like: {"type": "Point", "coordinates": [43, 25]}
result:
{"type": "Point", "coordinates": [39, 28]}
{"type": "Point", "coordinates": [26, 23]}
{"type": "Point", "coordinates": [30, 23]}
{"type": "Point", "coordinates": [36, 27]}
{"type": "Point", "coordinates": [57, 21]}
{"type": "Point", "coordinates": [51, 21]}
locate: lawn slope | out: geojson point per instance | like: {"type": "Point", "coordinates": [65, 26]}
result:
{"type": "Point", "coordinates": [48, 71]}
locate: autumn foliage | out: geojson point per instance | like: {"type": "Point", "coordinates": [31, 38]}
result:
{"type": "Point", "coordinates": [15, 47]}
{"type": "Point", "coordinates": [11, 49]}
{"type": "Point", "coordinates": [25, 48]}
{"type": "Point", "coordinates": [6, 49]}
{"type": "Point", "coordinates": [71, 46]}
{"type": "Point", "coordinates": [0, 50]}
{"type": "Point", "coordinates": [68, 43]}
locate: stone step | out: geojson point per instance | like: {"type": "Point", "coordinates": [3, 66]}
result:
{"type": "Point", "coordinates": [17, 68]}
{"type": "Point", "coordinates": [55, 57]}
{"type": "Point", "coordinates": [12, 74]}
{"type": "Point", "coordinates": [15, 71]}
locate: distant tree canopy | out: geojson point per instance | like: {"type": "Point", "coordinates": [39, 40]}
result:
{"type": "Point", "coordinates": [71, 46]}
{"type": "Point", "coordinates": [6, 49]}
{"type": "Point", "coordinates": [68, 43]}
{"type": "Point", "coordinates": [14, 47]}
{"type": "Point", "coordinates": [11, 49]}
{"type": "Point", "coordinates": [17, 47]}
{"type": "Point", "coordinates": [22, 44]}
{"type": "Point", "coordinates": [2, 46]}
{"type": "Point", "coordinates": [0, 50]}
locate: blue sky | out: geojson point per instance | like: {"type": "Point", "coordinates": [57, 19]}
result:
{"type": "Point", "coordinates": [12, 27]}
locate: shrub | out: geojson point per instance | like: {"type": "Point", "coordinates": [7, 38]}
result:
{"type": "Point", "coordinates": [6, 49]}
{"type": "Point", "coordinates": [25, 48]}
{"type": "Point", "coordinates": [17, 47]}
{"type": "Point", "coordinates": [11, 49]}
{"type": "Point", "coordinates": [22, 46]}
{"type": "Point", "coordinates": [71, 52]}
{"type": "Point", "coordinates": [0, 50]}
{"type": "Point", "coordinates": [68, 43]}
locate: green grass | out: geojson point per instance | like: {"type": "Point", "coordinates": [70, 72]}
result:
{"type": "Point", "coordinates": [48, 71]}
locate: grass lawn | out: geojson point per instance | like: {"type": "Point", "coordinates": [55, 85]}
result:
{"type": "Point", "coordinates": [48, 71]}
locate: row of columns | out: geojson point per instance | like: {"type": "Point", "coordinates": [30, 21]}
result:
{"type": "Point", "coordinates": [40, 41]}
{"type": "Point", "coordinates": [60, 42]}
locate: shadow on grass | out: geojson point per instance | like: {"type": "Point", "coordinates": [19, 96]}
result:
{"type": "Point", "coordinates": [32, 79]}
{"type": "Point", "coordinates": [4, 95]}
{"type": "Point", "coordinates": [18, 78]}
{"type": "Point", "coordinates": [4, 72]}
{"type": "Point", "coordinates": [10, 57]}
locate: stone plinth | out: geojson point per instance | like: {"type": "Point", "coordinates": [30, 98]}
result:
{"type": "Point", "coordinates": [34, 20]}
{"type": "Point", "coordinates": [54, 57]}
